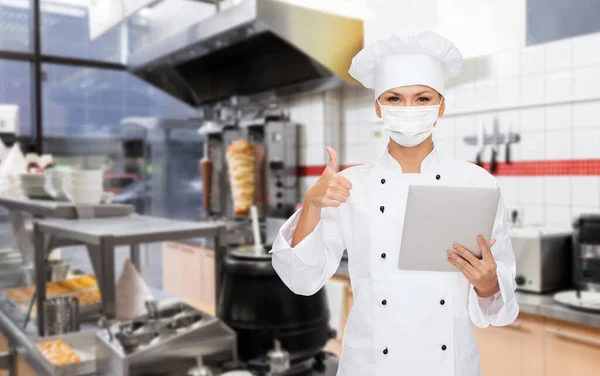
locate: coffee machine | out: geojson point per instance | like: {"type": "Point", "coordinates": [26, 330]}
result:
{"type": "Point", "coordinates": [586, 252]}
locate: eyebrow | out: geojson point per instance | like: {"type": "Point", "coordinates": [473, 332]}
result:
{"type": "Point", "coordinates": [417, 94]}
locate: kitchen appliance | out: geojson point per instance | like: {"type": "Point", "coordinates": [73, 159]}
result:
{"type": "Point", "coordinates": [275, 138]}
{"type": "Point", "coordinates": [586, 252]}
{"type": "Point", "coordinates": [261, 309]}
{"type": "Point", "coordinates": [166, 341]}
{"type": "Point", "coordinates": [543, 258]}
{"type": "Point", "coordinates": [256, 46]}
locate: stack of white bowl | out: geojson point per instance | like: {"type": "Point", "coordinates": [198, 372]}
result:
{"type": "Point", "coordinates": [33, 185]}
{"type": "Point", "coordinates": [84, 187]}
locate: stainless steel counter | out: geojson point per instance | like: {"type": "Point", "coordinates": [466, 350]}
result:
{"type": "Point", "coordinates": [24, 341]}
{"type": "Point", "coordinates": [101, 236]}
{"type": "Point", "coordinates": [542, 305]}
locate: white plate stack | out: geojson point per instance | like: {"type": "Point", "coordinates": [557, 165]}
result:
{"type": "Point", "coordinates": [33, 185]}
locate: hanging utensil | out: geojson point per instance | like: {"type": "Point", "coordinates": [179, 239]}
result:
{"type": "Point", "coordinates": [480, 145]}
{"type": "Point", "coordinates": [507, 145]}
{"type": "Point", "coordinates": [494, 159]}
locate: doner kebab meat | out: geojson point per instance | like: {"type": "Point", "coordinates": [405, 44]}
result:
{"type": "Point", "coordinates": [241, 164]}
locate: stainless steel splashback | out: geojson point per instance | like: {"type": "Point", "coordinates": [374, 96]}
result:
{"type": "Point", "coordinates": [254, 47]}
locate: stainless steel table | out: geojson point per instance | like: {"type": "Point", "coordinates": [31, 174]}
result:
{"type": "Point", "coordinates": [101, 236]}
{"type": "Point", "coordinates": [61, 209]}
{"type": "Point", "coordinates": [22, 342]}
{"type": "Point", "coordinates": [22, 209]}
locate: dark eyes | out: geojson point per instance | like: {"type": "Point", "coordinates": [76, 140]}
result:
{"type": "Point", "coordinates": [420, 99]}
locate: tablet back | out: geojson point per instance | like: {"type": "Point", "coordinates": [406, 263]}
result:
{"type": "Point", "coordinates": [438, 217]}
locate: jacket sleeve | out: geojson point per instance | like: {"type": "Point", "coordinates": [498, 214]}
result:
{"type": "Point", "coordinates": [502, 308]}
{"type": "Point", "coordinates": [306, 267]}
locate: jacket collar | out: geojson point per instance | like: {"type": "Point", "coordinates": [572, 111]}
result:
{"type": "Point", "coordinates": [429, 166]}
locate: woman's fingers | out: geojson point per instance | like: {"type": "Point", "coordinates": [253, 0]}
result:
{"type": "Point", "coordinates": [464, 264]}
{"type": "Point", "coordinates": [467, 255]}
{"type": "Point", "coordinates": [337, 197]}
{"type": "Point", "coordinates": [343, 181]}
{"type": "Point", "coordinates": [486, 253]}
{"type": "Point", "coordinates": [329, 203]}
{"type": "Point", "coordinates": [341, 190]}
{"type": "Point", "coordinates": [461, 265]}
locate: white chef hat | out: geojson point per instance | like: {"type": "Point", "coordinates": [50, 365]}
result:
{"type": "Point", "coordinates": [410, 57]}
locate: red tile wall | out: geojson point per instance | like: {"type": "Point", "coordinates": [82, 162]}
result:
{"type": "Point", "coordinates": [573, 167]}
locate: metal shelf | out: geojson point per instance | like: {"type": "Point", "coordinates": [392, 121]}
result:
{"type": "Point", "coordinates": [101, 236]}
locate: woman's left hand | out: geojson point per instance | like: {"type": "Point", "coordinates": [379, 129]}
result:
{"type": "Point", "coordinates": [481, 273]}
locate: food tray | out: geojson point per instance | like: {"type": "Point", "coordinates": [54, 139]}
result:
{"type": "Point", "coordinates": [85, 311]}
{"type": "Point", "coordinates": [83, 343]}
{"type": "Point", "coordinates": [31, 291]}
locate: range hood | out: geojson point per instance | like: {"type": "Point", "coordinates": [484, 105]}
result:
{"type": "Point", "coordinates": [257, 46]}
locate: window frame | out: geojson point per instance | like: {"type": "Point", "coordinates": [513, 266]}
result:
{"type": "Point", "coordinates": [36, 58]}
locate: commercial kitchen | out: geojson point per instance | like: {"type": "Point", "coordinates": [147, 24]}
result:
{"type": "Point", "coordinates": [151, 150]}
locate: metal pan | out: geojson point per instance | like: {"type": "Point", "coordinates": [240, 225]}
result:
{"type": "Point", "coordinates": [83, 343]}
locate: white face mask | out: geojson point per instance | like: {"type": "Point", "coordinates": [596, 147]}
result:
{"type": "Point", "coordinates": [409, 126]}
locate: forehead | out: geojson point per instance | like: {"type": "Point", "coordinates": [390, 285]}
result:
{"type": "Point", "coordinates": [411, 90]}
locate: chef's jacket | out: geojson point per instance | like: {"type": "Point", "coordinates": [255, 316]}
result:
{"type": "Point", "coordinates": [411, 323]}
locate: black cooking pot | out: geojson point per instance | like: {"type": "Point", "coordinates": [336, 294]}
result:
{"type": "Point", "coordinates": [260, 308]}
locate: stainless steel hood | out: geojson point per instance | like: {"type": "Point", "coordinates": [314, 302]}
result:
{"type": "Point", "coordinates": [254, 47]}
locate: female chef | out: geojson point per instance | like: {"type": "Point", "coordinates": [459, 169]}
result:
{"type": "Point", "coordinates": [403, 322]}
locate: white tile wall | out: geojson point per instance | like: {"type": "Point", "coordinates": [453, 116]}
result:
{"type": "Point", "coordinates": [509, 92]}
{"type": "Point", "coordinates": [559, 216]}
{"type": "Point", "coordinates": [586, 144]}
{"type": "Point", "coordinates": [557, 190]}
{"type": "Point", "coordinates": [558, 117]}
{"type": "Point", "coordinates": [486, 94]}
{"type": "Point", "coordinates": [585, 191]}
{"type": "Point", "coordinates": [533, 60]}
{"type": "Point", "coordinates": [533, 215]}
{"type": "Point", "coordinates": [465, 97]}
{"type": "Point", "coordinates": [559, 55]}
{"type": "Point", "coordinates": [585, 50]}
{"type": "Point", "coordinates": [558, 145]}
{"type": "Point", "coordinates": [586, 82]}
{"type": "Point", "coordinates": [531, 190]}
{"type": "Point", "coordinates": [532, 146]}
{"type": "Point", "coordinates": [508, 63]}
{"type": "Point", "coordinates": [559, 86]}
{"type": "Point", "coordinates": [586, 115]}
{"type": "Point", "coordinates": [532, 89]}
{"type": "Point", "coordinates": [532, 119]}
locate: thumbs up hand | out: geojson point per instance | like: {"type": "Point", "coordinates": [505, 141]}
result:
{"type": "Point", "coordinates": [332, 189]}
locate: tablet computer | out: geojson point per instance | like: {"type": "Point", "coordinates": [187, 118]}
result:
{"type": "Point", "coordinates": [438, 217]}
